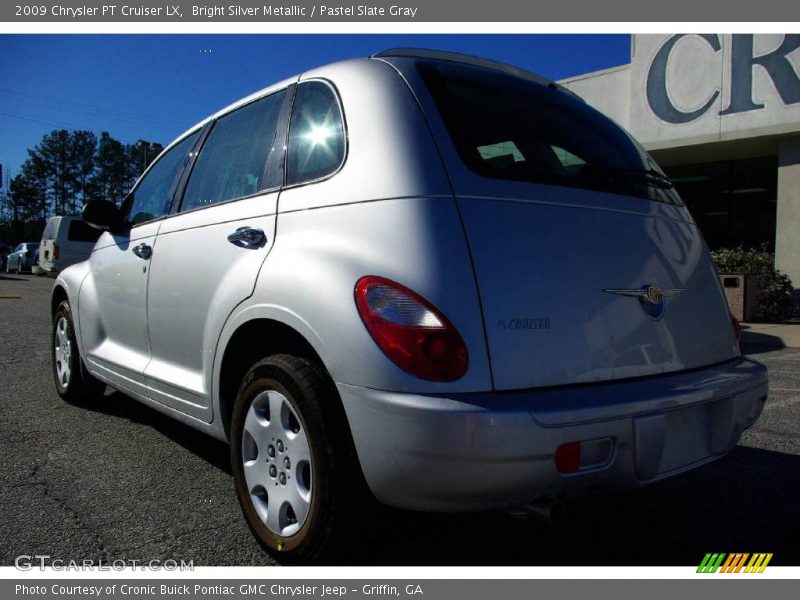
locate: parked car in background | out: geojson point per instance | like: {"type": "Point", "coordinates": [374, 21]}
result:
{"type": "Point", "coordinates": [65, 241]}
{"type": "Point", "coordinates": [21, 259]}
{"type": "Point", "coordinates": [36, 269]}
{"type": "Point", "coordinates": [440, 279]}
{"type": "Point", "coordinates": [5, 250]}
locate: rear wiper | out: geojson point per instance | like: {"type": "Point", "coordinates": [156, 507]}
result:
{"type": "Point", "coordinates": [615, 174]}
{"type": "Point", "coordinates": [653, 177]}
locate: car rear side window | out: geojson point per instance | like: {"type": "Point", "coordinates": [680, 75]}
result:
{"type": "Point", "coordinates": [232, 162]}
{"type": "Point", "coordinates": [79, 231]}
{"type": "Point", "coordinates": [508, 127]}
{"type": "Point", "coordinates": [316, 134]}
{"type": "Point", "coordinates": [152, 197]}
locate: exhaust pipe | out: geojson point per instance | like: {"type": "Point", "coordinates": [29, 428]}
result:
{"type": "Point", "coordinates": [546, 508]}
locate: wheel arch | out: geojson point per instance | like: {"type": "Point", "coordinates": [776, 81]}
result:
{"type": "Point", "coordinates": [250, 341]}
{"type": "Point", "coordinates": [58, 296]}
{"type": "Point", "coordinates": [261, 331]}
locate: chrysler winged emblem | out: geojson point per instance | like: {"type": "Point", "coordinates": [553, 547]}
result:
{"type": "Point", "coordinates": [651, 297]}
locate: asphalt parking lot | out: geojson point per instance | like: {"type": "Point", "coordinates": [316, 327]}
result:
{"type": "Point", "coordinates": [116, 480]}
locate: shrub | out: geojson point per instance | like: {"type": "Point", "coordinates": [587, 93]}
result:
{"type": "Point", "coordinates": [775, 289]}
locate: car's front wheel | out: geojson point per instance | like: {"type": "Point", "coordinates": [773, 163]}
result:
{"type": "Point", "coordinates": [292, 464]}
{"type": "Point", "coordinates": [73, 382]}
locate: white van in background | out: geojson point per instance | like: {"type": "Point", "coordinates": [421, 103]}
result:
{"type": "Point", "coordinates": [65, 241]}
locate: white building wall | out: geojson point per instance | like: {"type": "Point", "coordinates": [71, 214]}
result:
{"type": "Point", "coordinates": [700, 79]}
{"type": "Point", "coordinates": [787, 235]}
{"type": "Point", "coordinates": [609, 91]}
{"type": "Point", "coordinates": [694, 79]}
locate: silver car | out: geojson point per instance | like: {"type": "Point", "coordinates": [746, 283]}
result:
{"type": "Point", "coordinates": [22, 258]}
{"type": "Point", "coordinates": [442, 280]}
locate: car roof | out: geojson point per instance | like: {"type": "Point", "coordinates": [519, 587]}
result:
{"type": "Point", "coordinates": [389, 53]}
{"type": "Point", "coordinates": [475, 61]}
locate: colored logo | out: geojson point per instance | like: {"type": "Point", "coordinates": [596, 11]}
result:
{"type": "Point", "coordinates": [653, 294]}
{"type": "Point", "coordinates": [738, 562]}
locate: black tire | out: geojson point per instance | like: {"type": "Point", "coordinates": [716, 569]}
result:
{"type": "Point", "coordinates": [338, 486]}
{"type": "Point", "coordinates": [81, 386]}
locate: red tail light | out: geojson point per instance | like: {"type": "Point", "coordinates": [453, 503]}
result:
{"type": "Point", "coordinates": [55, 251]}
{"type": "Point", "coordinates": [584, 455]}
{"type": "Point", "coordinates": [568, 457]}
{"type": "Point", "coordinates": [410, 330]}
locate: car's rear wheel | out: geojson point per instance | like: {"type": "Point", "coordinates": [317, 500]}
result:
{"type": "Point", "coordinates": [73, 382]}
{"type": "Point", "coordinates": [292, 463]}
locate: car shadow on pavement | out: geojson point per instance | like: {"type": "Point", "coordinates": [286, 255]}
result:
{"type": "Point", "coordinates": [758, 343]}
{"type": "Point", "coordinates": [117, 404]}
{"type": "Point", "coordinates": [9, 278]}
{"type": "Point", "coordinates": [745, 502]}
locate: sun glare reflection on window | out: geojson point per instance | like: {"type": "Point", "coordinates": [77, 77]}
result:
{"type": "Point", "coordinates": [316, 137]}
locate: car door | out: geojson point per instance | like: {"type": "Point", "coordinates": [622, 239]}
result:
{"type": "Point", "coordinates": [209, 252]}
{"type": "Point", "coordinates": [112, 305]}
{"type": "Point", "coordinates": [15, 258]}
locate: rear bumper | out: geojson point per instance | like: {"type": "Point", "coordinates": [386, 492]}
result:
{"type": "Point", "coordinates": [495, 450]}
{"type": "Point", "coordinates": [50, 266]}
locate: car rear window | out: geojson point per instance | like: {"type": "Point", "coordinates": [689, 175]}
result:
{"type": "Point", "coordinates": [508, 127]}
{"type": "Point", "coordinates": [79, 231]}
{"type": "Point", "coordinates": [49, 232]}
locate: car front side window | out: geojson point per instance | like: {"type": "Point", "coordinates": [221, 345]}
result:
{"type": "Point", "coordinates": [152, 196]}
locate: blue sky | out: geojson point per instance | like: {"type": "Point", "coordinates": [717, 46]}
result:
{"type": "Point", "coordinates": [153, 87]}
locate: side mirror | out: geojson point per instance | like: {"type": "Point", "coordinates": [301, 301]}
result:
{"type": "Point", "coordinates": [101, 214]}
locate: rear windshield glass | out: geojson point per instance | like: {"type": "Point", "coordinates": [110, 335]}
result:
{"type": "Point", "coordinates": [50, 229]}
{"type": "Point", "coordinates": [506, 127]}
{"type": "Point", "coordinates": [79, 231]}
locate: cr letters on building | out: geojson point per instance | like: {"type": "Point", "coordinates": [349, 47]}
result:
{"type": "Point", "coordinates": [775, 63]}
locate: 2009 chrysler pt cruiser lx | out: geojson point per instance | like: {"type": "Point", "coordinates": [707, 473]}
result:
{"type": "Point", "coordinates": [441, 279]}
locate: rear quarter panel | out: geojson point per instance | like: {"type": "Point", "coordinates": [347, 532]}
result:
{"type": "Point", "coordinates": [309, 278]}
{"type": "Point", "coordinates": [388, 211]}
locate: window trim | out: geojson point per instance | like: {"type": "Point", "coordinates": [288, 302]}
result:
{"type": "Point", "coordinates": [174, 187]}
{"type": "Point", "coordinates": [345, 134]}
{"type": "Point", "coordinates": [281, 129]}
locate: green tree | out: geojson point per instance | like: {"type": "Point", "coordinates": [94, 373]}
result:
{"type": "Point", "coordinates": [66, 169]}
{"type": "Point", "coordinates": [83, 146]}
{"type": "Point", "coordinates": [52, 156]}
{"type": "Point", "coordinates": [28, 192]}
{"type": "Point", "coordinates": [111, 177]}
{"type": "Point", "coordinates": [140, 155]}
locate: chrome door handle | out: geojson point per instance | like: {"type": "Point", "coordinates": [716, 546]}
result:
{"type": "Point", "coordinates": [143, 251]}
{"type": "Point", "coordinates": [247, 237]}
